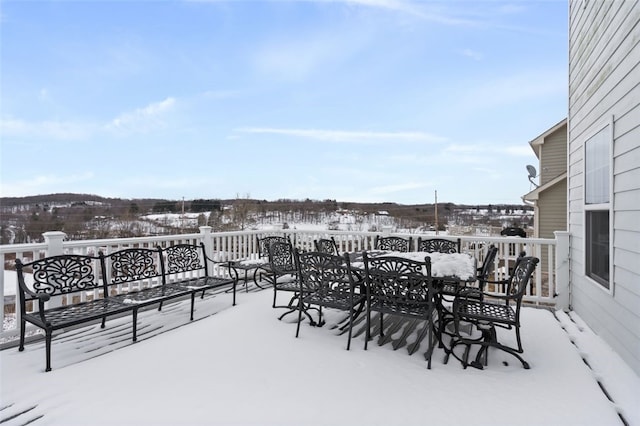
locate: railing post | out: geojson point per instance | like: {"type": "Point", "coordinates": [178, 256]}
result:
{"type": "Point", "coordinates": [54, 239]}
{"type": "Point", "coordinates": [207, 239]}
{"type": "Point", "coordinates": [563, 286]}
{"type": "Point", "coordinates": [54, 242]}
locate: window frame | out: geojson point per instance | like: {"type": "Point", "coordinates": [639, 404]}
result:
{"type": "Point", "coordinates": [606, 206]}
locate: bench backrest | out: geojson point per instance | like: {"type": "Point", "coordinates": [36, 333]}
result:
{"type": "Point", "coordinates": [58, 275]}
{"type": "Point", "coordinates": [131, 265]}
{"type": "Point", "coordinates": [181, 259]}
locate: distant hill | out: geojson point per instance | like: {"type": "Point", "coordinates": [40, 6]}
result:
{"type": "Point", "coordinates": [89, 216]}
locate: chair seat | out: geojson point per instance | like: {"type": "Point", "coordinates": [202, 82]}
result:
{"type": "Point", "coordinates": [403, 309]}
{"type": "Point", "coordinates": [288, 286]}
{"type": "Point", "coordinates": [337, 300]}
{"type": "Point", "coordinates": [487, 311]}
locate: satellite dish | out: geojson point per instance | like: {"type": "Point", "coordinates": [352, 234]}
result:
{"type": "Point", "coordinates": [532, 174]}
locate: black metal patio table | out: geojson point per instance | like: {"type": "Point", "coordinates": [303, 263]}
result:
{"type": "Point", "coordinates": [241, 268]}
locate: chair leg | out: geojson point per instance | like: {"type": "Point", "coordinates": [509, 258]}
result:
{"type": "Point", "coordinates": [350, 328]}
{"type": "Point", "coordinates": [490, 340]}
{"type": "Point", "coordinates": [320, 322]}
{"type": "Point", "coordinates": [300, 307]}
{"type": "Point", "coordinates": [355, 315]}
{"type": "Point", "coordinates": [275, 292]}
{"type": "Point", "coordinates": [367, 335]}
{"type": "Point", "coordinates": [520, 349]}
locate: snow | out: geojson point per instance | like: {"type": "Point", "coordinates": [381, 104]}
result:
{"type": "Point", "coordinates": [240, 365]}
{"type": "Point", "coordinates": [459, 265]}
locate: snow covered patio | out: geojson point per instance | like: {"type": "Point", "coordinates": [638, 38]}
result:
{"type": "Point", "coordinates": [240, 365]}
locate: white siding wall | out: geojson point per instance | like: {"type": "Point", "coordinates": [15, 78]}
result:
{"type": "Point", "coordinates": [604, 82]}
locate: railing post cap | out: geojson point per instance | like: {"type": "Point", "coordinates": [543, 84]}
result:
{"type": "Point", "coordinates": [54, 235]}
{"type": "Point", "coordinates": [205, 229]}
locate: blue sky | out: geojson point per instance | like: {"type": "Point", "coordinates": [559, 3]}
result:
{"type": "Point", "coordinates": [353, 100]}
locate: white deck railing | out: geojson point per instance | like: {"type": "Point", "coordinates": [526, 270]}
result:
{"type": "Point", "coordinates": [549, 281]}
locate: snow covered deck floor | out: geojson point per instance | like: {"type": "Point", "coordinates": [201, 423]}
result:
{"type": "Point", "coordinates": [240, 365]}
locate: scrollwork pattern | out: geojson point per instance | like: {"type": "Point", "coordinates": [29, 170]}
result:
{"type": "Point", "coordinates": [131, 265]}
{"type": "Point", "coordinates": [438, 245]}
{"type": "Point", "coordinates": [397, 281]}
{"type": "Point", "coordinates": [324, 274]}
{"type": "Point", "coordinates": [392, 244]}
{"type": "Point", "coordinates": [63, 274]}
{"type": "Point", "coordinates": [182, 258]}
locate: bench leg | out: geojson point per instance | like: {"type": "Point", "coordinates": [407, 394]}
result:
{"type": "Point", "coordinates": [135, 325]}
{"type": "Point", "coordinates": [23, 326]}
{"type": "Point", "coordinates": [48, 349]}
{"type": "Point", "coordinates": [193, 301]}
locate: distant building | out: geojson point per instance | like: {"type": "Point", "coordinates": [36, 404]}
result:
{"type": "Point", "coordinates": [549, 199]}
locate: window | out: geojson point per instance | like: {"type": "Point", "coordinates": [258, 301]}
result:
{"type": "Point", "coordinates": [598, 246]}
{"type": "Point", "coordinates": [597, 199]}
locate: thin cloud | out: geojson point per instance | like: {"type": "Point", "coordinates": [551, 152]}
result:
{"type": "Point", "coordinates": [50, 129]}
{"type": "Point", "coordinates": [143, 119]}
{"type": "Point", "coordinates": [421, 10]}
{"type": "Point", "coordinates": [516, 89]}
{"type": "Point", "coordinates": [346, 136]}
{"type": "Point", "coordinates": [477, 56]}
{"type": "Point", "coordinates": [295, 59]}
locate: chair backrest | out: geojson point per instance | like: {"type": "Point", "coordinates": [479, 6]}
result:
{"type": "Point", "coordinates": [281, 257]}
{"type": "Point", "coordinates": [519, 279]}
{"type": "Point", "coordinates": [487, 264]}
{"type": "Point", "coordinates": [438, 245]}
{"type": "Point", "coordinates": [393, 243]}
{"type": "Point", "coordinates": [265, 242]}
{"type": "Point", "coordinates": [326, 245]}
{"type": "Point", "coordinates": [324, 273]}
{"type": "Point", "coordinates": [397, 283]}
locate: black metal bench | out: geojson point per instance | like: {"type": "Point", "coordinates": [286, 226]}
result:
{"type": "Point", "coordinates": [97, 287]}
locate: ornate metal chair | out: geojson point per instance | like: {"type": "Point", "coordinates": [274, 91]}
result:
{"type": "Point", "coordinates": [450, 290]}
{"type": "Point", "coordinates": [393, 244]}
{"type": "Point", "coordinates": [438, 245]}
{"type": "Point", "coordinates": [327, 280]}
{"type": "Point", "coordinates": [403, 287]}
{"type": "Point", "coordinates": [281, 264]}
{"type": "Point", "coordinates": [263, 253]}
{"type": "Point", "coordinates": [326, 245]}
{"type": "Point", "coordinates": [491, 312]}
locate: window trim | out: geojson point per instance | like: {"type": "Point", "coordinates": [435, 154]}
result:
{"type": "Point", "coordinates": [599, 207]}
